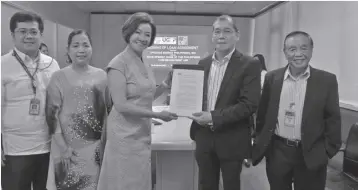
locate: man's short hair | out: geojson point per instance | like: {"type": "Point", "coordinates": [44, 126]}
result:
{"type": "Point", "coordinates": [227, 18]}
{"type": "Point", "coordinates": [25, 16]}
{"type": "Point", "coordinates": [296, 33]}
{"type": "Point", "coordinates": [133, 22]}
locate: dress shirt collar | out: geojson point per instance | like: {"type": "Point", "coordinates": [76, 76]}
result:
{"type": "Point", "coordinates": [25, 58]}
{"type": "Point", "coordinates": [305, 75]}
{"type": "Point", "coordinates": [226, 58]}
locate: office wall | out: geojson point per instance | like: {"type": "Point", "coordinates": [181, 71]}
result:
{"type": "Point", "coordinates": [333, 27]}
{"type": "Point", "coordinates": [270, 30]}
{"type": "Point", "coordinates": [61, 12]}
{"type": "Point", "coordinates": [61, 39]}
{"type": "Point", "coordinates": [108, 42]}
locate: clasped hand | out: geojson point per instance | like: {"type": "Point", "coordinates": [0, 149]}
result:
{"type": "Point", "coordinates": [68, 157]}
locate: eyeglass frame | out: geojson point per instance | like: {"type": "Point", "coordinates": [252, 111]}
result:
{"type": "Point", "coordinates": [25, 31]}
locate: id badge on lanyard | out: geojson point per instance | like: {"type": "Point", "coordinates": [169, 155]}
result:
{"type": "Point", "coordinates": [290, 116]}
{"type": "Point", "coordinates": [34, 108]}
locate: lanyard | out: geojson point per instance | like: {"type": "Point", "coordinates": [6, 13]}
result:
{"type": "Point", "coordinates": [33, 82]}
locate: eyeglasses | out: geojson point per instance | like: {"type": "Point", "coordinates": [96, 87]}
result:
{"type": "Point", "coordinates": [23, 32]}
{"type": "Point", "coordinates": [224, 32]}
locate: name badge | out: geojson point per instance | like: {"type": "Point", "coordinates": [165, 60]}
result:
{"type": "Point", "coordinates": [290, 118]}
{"type": "Point", "coordinates": [34, 106]}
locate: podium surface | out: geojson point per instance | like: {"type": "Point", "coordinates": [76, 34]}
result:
{"type": "Point", "coordinates": [173, 150]}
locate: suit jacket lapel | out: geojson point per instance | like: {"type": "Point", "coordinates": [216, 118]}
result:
{"type": "Point", "coordinates": [276, 93]}
{"type": "Point", "coordinates": [232, 67]}
{"type": "Point", "coordinates": [310, 94]}
{"type": "Point", "coordinates": [207, 65]}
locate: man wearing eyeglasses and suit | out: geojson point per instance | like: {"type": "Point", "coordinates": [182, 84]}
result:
{"type": "Point", "coordinates": [231, 96]}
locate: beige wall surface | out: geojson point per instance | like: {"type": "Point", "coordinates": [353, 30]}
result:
{"type": "Point", "coordinates": [333, 27]}
{"type": "Point", "coordinates": [62, 38]}
{"type": "Point", "coordinates": [60, 12]}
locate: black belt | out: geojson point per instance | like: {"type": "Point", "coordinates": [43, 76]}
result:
{"type": "Point", "coordinates": [288, 142]}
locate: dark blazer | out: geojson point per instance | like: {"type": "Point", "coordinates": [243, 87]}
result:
{"type": "Point", "coordinates": [237, 100]}
{"type": "Point", "coordinates": [321, 119]}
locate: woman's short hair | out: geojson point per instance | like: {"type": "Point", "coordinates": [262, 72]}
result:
{"type": "Point", "coordinates": [261, 58]}
{"type": "Point", "coordinates": [25, 16]}
{"type": "Point", "coordinates": [132, 23]}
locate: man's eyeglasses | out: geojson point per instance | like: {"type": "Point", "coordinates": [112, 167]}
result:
{"type": "Point", "coordinates": [23, 32]}
{"type": "Point", "coordinates": [224, 32]}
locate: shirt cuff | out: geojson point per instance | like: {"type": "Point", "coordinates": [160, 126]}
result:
{"type": "Point", "coordinates": [211, 124]}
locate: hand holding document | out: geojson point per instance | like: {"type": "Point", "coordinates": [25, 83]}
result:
{"type": "Point", "coordinates": [186, 98]}
{"type": "Point", "coordinates": [167, 116]}
{"type": "Point", "coordinates": [163, 114]}
{"type": "Point", "coordinates": [202, 118]}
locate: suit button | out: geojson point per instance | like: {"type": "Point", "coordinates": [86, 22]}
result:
{"type": "Point", "coordinates": [265, 145]}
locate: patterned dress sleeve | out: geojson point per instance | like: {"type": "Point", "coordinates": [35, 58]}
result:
{"type": "Point", "coordinates": [53, 102]}
{"type": "Point", "coordinates": [118, 64]}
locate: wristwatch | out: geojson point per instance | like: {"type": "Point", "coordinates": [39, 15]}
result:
{"type": "Point", "coordinates": [211, 126]}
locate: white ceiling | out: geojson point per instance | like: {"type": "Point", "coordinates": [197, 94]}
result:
{"type": "Point", "coordinates": [233, 8]}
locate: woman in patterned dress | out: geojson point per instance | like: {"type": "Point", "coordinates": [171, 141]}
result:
{"type": "Point", "coordinates": [76, 114]}
{"type": "Point", "coordinates": [127, 156]}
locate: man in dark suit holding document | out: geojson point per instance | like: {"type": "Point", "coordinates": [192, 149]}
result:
{"type": "Point", "coordinates": [231, 95]}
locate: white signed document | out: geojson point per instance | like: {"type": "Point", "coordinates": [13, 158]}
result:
{"type": "Point", "coordinates": [186, 98]}
{"type": "Point", "coordinates": [186, 95]}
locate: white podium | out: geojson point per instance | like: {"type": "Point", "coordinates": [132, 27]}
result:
{"type": "Point", "coordinates": [176, 168]}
